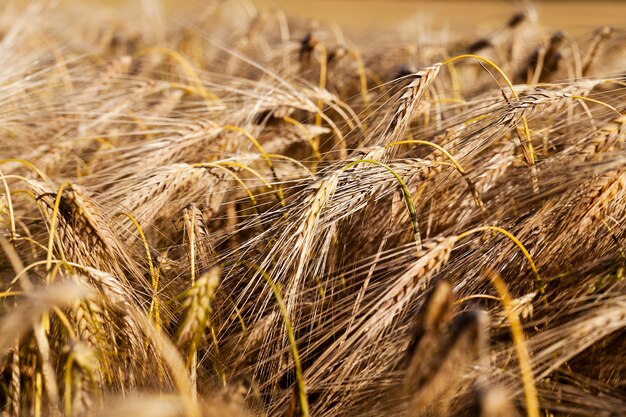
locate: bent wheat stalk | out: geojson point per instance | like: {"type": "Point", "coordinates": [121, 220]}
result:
{"type": "Point", "coordinates": [529, 152]}
{"type": "Point", "coordinates": [405, 191]}
{"type": "Point", "coordinates": [470, 184]}
{"type": "Point", "coordinates": [530, 392]}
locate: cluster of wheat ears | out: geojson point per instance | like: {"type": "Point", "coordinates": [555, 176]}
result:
{"type": "Point", "coordinates": [233, 212]}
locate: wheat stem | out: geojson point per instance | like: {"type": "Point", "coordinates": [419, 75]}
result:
{"type": "Point", "coordinates": [27, 165]}
{"type": "Point", "coordinates": [229, 172]}
{"type": "Point", "coordinates": [470, 184]}
{"type": "Point", "coordinates": [593, 100]}
{"type": "Point", "coordinates": [154, 275]}
{"type": "Point", "coordinates": [519, 244]}
{"type": "Point", "coordinates": [247, 168]}
{"type": "Point", "coordinates": [67, 382]}
{"type": "Point", "coordinates": [405, 190]}
{"type": "Point", "coordinates": [354, 53]}
{"type": "Point", "coordinates": [532, 157]}
{"type": "Point", "coordinates": [10, 207]}
{"type": "Point", "coordinates": [304, 403]}
{"type": "Point", "coordinates": [66, 322]}
{"type": "Point", "coordinates": [294, 161]}
{"type": "Point", "coordinates": [322, 83]}
{"type": "Point", "coordinates": [476, 296]}
{"type": "Point", "coordinates": [190, 72]}
{"type": "Point", "coordinates": [313, 141]}
{"type": "Point", "coordinates": [53, 223]}
{"type": "Point", "coordinates": [530, 392]}
{"type": "Point", "coordinates": [263, 153]}
{"type": "Point", "coordinates": [434, 145]}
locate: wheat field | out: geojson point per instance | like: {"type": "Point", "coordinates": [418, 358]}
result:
{"type": "Point", "coordinates": [223, 210]}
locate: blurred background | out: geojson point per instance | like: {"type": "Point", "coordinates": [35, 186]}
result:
{"type": "Point", "coordinates": [359, 15]}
